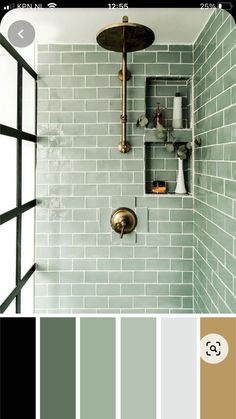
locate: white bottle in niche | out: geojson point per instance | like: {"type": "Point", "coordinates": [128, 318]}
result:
{"type": "Point", "coordinates": [180, 185]}
{"type": "Point", "coordinates": [177, 122]}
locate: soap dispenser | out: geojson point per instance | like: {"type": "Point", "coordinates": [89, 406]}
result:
{"type": "Point", "coordinates": [177, 122]}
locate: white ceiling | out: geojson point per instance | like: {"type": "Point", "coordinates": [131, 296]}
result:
{"type": "Point", "coordinates": [81, 25]}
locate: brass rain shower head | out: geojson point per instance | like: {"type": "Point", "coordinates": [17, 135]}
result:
{"type": "Point", "coordinates": [125, 37]}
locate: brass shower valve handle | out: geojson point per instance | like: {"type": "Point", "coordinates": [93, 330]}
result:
{"type": "Point", "coordinates": [123, 221]}
{"type": "Point", "coordinates": [121, 226]}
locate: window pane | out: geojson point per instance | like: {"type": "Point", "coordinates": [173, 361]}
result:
{"type": "Point", "coordinates": [27, 243]}
{"type": "Point", "coordinates": [7, 173]}
{"type": "Point", "coordinates": [28, 103]}
{"type": "Point", "coordinates": [8, 89]}
{"type": "Point", "coordinates": [27, 297]}
{"type": "Point", "coordinates": [7, 258]}
{"type": "Point", "coordinates": [28, 171]}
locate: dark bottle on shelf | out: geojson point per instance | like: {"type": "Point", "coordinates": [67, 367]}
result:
{"type": "Point", "coordinates": [158, 115]}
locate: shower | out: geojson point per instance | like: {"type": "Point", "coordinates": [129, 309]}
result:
{"type": "Point", "coordinates": [125, 37]}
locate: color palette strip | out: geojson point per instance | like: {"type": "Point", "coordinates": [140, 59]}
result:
{"type": "Point", "coordinates": [126, 368]}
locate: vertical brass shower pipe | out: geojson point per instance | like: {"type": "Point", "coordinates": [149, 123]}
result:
{"type": "Point", "coordinates": [125, 37]}
{"type": "Point", "coordinates": [124, 146]}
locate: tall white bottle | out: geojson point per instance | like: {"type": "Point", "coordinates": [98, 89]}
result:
{"type": "Point", "coordinates": [177, 122]}
{"type": "Point", "coordinates": [180, 185]}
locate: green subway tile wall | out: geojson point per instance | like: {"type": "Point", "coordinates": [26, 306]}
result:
{"type": "Point", "coordinates": [215, 188]}
{"type": "Point", "coordinates": [81, 177]}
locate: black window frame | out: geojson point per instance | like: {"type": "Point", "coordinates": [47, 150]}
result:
{"type": "Point", "coordinates": [17, 212]}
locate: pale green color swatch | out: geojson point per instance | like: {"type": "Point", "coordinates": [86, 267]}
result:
{"type": "Point", "coordinates": [138, 368]}
{"type": "Point", "coordinates": [97, 368]}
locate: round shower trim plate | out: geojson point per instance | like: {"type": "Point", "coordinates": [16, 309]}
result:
{"type": "Point", "coordinates": [120, 75]}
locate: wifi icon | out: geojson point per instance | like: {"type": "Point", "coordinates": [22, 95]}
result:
{"type": "Point", "coordinates": [52, 5]}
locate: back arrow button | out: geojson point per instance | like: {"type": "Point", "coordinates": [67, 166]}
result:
{"type": "Point", "coordinates": [20, 33]}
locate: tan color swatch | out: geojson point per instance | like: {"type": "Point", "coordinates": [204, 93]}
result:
{"type": "Point", "coordinates": [218, 381]}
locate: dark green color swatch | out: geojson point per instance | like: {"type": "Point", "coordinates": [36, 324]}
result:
{"type": "Point", "coordinates": [57, 368]}
{"type": "Point", "coordinates": [138, 369]}
{"type": "Point", "coordinates": [97, 368]}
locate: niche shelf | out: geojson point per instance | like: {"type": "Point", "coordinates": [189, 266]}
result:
{"type": "Point", "coordinates": [183, 135]}
{"type": "Point", "coordinates": [159, 164]}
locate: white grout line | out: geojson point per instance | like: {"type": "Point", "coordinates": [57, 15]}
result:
{"type": "Point", "coordinates": [77, 366]}
{"type": "Point", "coordinates": [215, 65]}
{"type": "Point", "coordinates": [212, 36]}
{"type": "Point", "coordinates": [199, 34]}
{"type": "Point", "coordinates": [210, 116]}
{"type": "Point", "coordinates": [206, 262]}
{"type": "Point", "coordinates": [118, 368]}
{"type": "Point", "coordinates": [158, 367]}
{"type": "Point", "coordinates": [212, 222]}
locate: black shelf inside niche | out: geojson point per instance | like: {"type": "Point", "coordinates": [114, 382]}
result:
{"type": "Point", "coordinates": [162, 90]}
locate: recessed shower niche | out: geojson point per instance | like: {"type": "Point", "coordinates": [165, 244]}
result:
{"type": "Point", "coordinates": [162, 90]}
{"type": "Point", "coordinates": [161, 165]}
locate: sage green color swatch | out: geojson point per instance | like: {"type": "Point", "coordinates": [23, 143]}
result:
{"type": "Point", "coordinates": [138, 368]}
{"type": "Point", "coordinates": [57, 368]}
{"type": "Point", "coordinates": [97, 368]}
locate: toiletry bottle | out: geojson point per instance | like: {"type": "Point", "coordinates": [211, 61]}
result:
{"type": "Point", "coordinates": [159, 186]}
{"type": "Point", "coordinates": [158, 115]}
{"type": "Point", "coordinates": [177, 122]}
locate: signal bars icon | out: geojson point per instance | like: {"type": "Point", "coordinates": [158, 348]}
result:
{"type": "Point", "coordinates": [9, 7]}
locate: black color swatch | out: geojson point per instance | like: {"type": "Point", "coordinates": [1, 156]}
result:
{"type": "Point", "coordinates": [17, 368]}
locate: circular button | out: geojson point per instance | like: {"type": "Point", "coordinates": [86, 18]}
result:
{"type": "Point", "coordinates": [21, 33]}
{"type": "Point", "coordinates": [214, 348]}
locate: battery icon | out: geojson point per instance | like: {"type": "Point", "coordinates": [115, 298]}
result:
{"type": "Point", "coordinates": [225, 5]}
